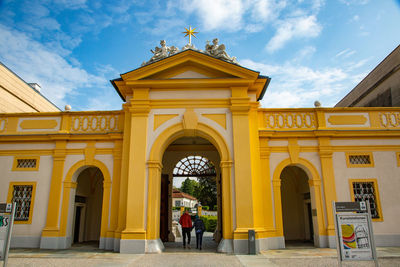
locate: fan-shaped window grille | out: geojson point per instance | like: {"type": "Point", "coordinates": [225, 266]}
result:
{"type": "Point", "coordinates": [194, 166]}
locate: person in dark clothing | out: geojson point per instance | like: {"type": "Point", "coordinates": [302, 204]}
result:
{"type": "Point", "coordinates": [199, 229]}
{"type": "Point", "coordinates": [186, 222]}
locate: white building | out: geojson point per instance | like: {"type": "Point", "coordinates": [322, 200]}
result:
{"type": "Point", "coordinates": [181, 199]}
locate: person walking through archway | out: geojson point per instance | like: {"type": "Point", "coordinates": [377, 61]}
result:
{"type": "Point", "coordinates": [199, 229]}
{"type": "Point", "coordinates": [186, 222]}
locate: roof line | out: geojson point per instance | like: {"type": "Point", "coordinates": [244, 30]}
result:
{"type": "Point", "coordinates": [30, 86]}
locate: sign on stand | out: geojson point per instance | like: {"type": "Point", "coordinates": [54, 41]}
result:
{"type": "Point", "coordinates": [354, 235]}
{"type": "Point", "coordinates": [7, 212]}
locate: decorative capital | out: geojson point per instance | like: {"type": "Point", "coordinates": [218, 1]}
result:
{"type": "Point", "coordinates": [70, 184]}
{"type": "Point", "coordinates": [154, 164]}
{"type": "Point", "coordinates": [314, 182]}
{"type": "Point", "coordinates": [226, 164]}
{"type": "Point", "coordinates": [276, 183]}
{"type": "Point", "coordinates": [106, 184]}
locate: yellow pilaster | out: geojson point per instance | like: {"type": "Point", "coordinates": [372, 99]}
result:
{"type": "Point", "coordinates": [257, 182]}
{"type": "Point", "coordinates": [267, 201]}
{"type": "Point", "coordinates": [276, 184]}
{"type": "Point", "coordinates": [53, 207]}
{"type": "Point", "coordinates": [226, 167]}
{"type": "Point", "coordinates": [124, 174]}
{"type": "Point", "coordinates": [105, 208]}
{"type": "Point", "coordinates": [68, 186]}
{"type": "Point", "coordinates": [153, 200]}
{"type": "Point", "coordinates": [116, 178]}
{"type": "Point", "coordinates": [240, 107]}
{"type": "Point", "coordinates": [316, 184]}
{"type": "Point", "coordinates": [136, 186]}
{"type": "Point", "coordinates": [328, 176]}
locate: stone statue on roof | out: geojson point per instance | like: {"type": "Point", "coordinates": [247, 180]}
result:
{"type": "Point", "coordinates": [218, 51]}
{"type": "Point", "coordinates": [161, 52]}
{"type": "Point", "coordinates": [215, 50]}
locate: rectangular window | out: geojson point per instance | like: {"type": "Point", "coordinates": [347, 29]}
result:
{"type": "Point", "coordinates": [177, 203]}
{"type": "Point", "coordinates": [23, 194]}
{"type": "Point", "coordinates": [26, 163]}
{"type": "Point", "coordinates": [359, 160]}
{"type": "Point", "coordinates": [367, 189]}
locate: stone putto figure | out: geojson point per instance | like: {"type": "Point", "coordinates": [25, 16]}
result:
{"type": "Point", "coordinates": [218, 51]}
{"type": "Point", "coordinates": [161, 52]}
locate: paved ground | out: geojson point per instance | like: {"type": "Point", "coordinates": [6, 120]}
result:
{"type": "Point", "coordinates": [284, 257]}
{"type": "Point", "coordinates": [176, 255]}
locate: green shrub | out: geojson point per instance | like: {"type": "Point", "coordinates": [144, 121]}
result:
{"type": "Point", "coordinates": [215, 207]}
{"type": "Point", "coordinates": [176, 208]}
{"type": "Point", "coordinates": [210, 222]}
{"type": "Point", "coordinates": [205, 207]}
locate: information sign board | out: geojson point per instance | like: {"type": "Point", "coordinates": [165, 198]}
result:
{"type": "Point", "coordinates": [354, 237]}
{"type": "Point", "coordinates": [351, 206]}
{"type": "Point", "coordinates": [5, 220]}
{"type": "Point", "coordinates": [7, 212]}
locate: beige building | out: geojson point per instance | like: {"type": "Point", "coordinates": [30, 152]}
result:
{"type": "Point", "coordinates": [18, 96]}
{"type": "Point", "coordinates": [380, 88]}
{"type": "Point", "coordinates": [107, 175]}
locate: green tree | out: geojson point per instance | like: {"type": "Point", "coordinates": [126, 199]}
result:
{"type": "Point", "coordinates": [189, 187]}
{"type": "Point", "coordinates": [207, 191]}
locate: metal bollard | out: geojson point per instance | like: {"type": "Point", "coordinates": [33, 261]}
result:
{"type": "Point", "coordinates": [252, 242]}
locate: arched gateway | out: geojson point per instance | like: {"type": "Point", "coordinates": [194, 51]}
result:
{"type": "Point", "coordinates": [279, 169]}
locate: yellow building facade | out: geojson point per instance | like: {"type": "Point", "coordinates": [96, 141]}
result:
{"type": "Point", "coordinates": [100, 175]}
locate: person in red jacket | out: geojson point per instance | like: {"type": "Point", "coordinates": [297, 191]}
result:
{"type": "Point", "coordinates": [186, 222]}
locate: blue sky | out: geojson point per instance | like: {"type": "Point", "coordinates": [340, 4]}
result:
{"type": "Point", "coordinates": [312, 49]}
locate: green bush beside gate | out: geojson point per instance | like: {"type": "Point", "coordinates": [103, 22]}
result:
{"type": "Point", "coordinates": [210, 222]}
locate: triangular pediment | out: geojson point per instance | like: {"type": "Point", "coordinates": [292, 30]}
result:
{"type": "Point", "coordinates": [189, 69]}
{"type": "Point", "coordinates": [192, 62]}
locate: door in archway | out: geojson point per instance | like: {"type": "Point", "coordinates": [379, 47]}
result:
{"type": "Point", "coordinates": [88, 205]}
{"type": "Point", "coordinates": [164, 208]}
{"type": "Point", "coordinates": [296, 206]}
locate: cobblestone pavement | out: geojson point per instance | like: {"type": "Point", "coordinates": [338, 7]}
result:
{"type": "Point", "coordinates": [175, 255]}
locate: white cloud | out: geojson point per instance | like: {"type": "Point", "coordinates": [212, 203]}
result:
{"type": "Point", "coordinates": [299, 27]}
{"type": "Point", "coordinates": [345, 53]}
{"type": "Point", "coordinates": [294, 85]}
{"type": "Point", "coordinates": [36, 63]}
{"type": "Point", "coordinates": [216, 14]}
{"type": "Point", "coordinates": [232, 15]}
{"type": "Point", "coordinates": [354, 2]}
{"type": "Point", "coordinates": [355, 18]}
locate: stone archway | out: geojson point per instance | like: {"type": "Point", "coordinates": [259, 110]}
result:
{"type": "Point", "coordinates": [198, 159]}
{"type": "Point", "coordinates": [68, 200]}
{"type": "Point", "coordinates": [154, 187]}
{"type": "Point", "coordinates": [317, 206]}
{"type": "Point", "coordinates": [296, 207]}
{"type": "Point", "coordinates": [87, 206]}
